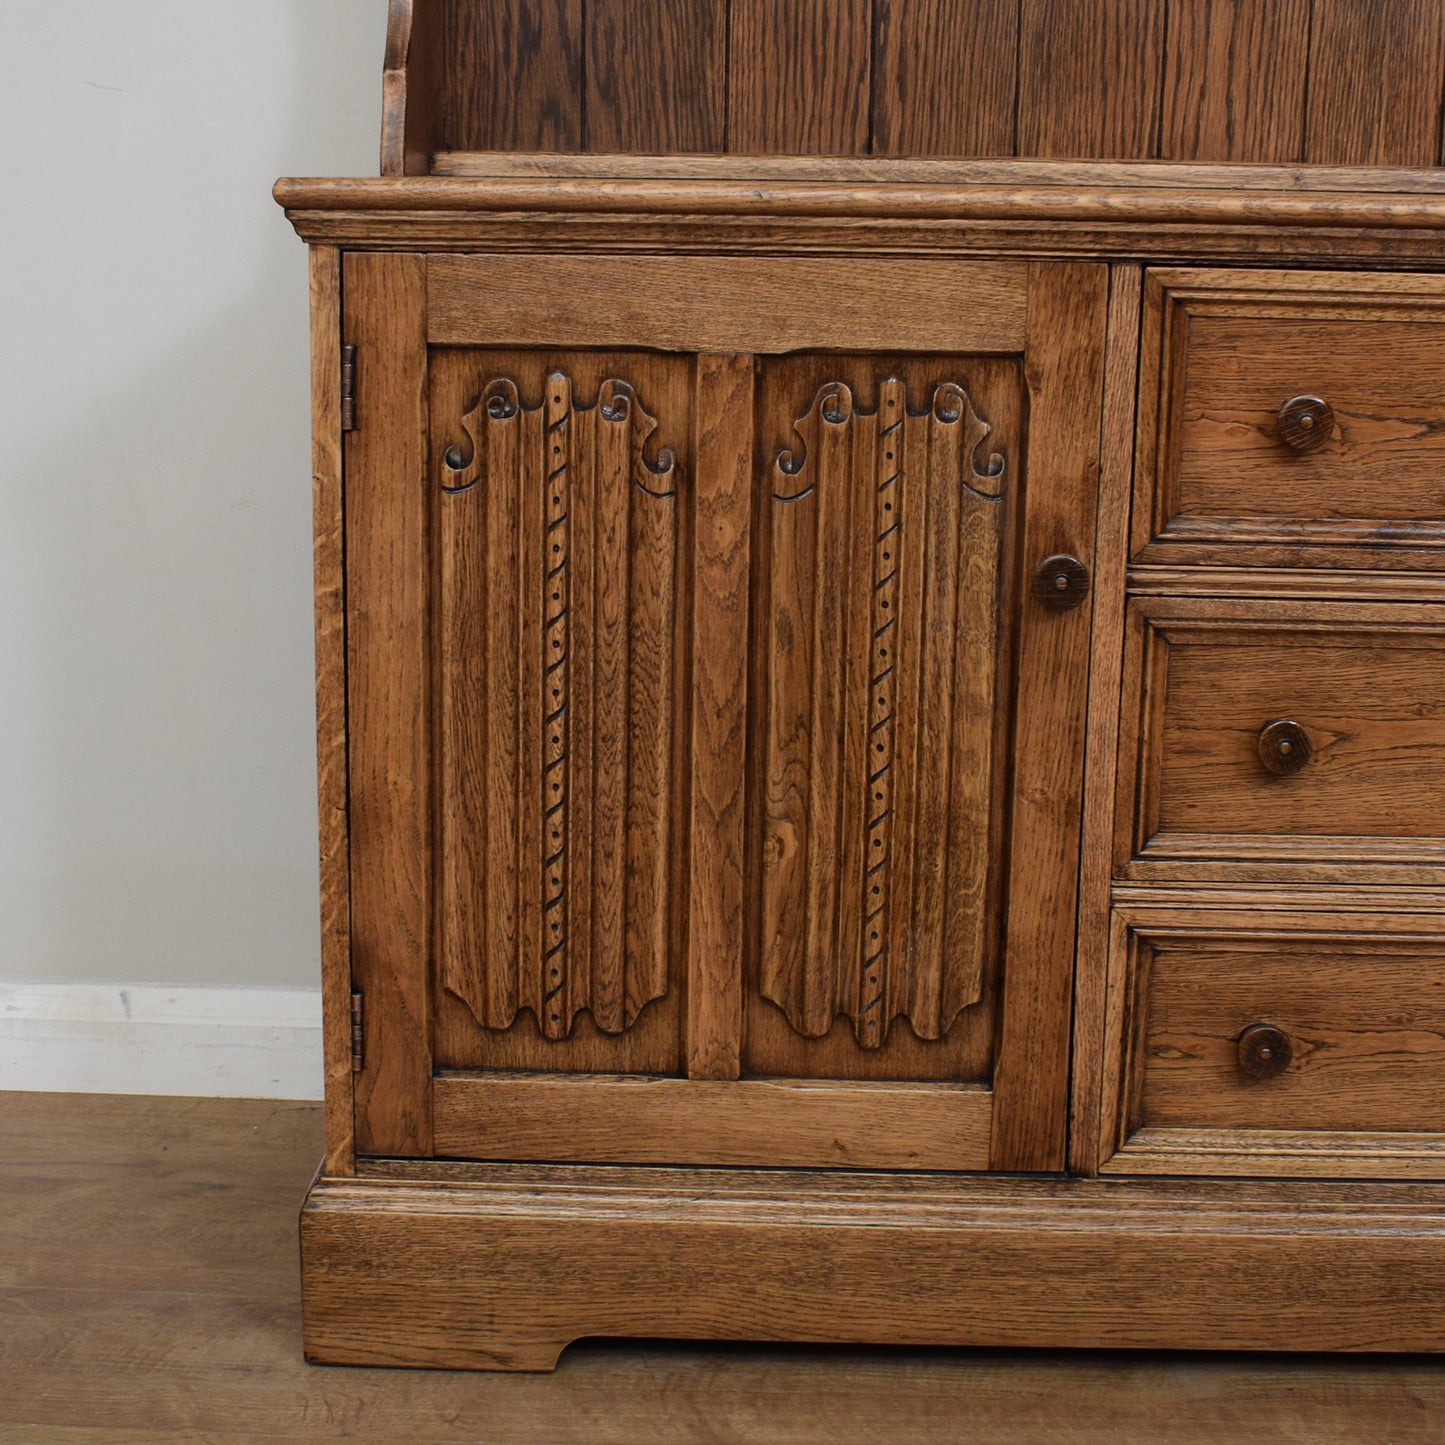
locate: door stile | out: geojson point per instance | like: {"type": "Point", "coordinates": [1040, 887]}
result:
{"type": "Point", "coordinates": [1064, 368]}
{"type": "Point", "coordinates": [388, 562]}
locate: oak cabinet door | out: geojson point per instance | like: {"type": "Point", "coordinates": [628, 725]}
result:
{"type": "Point", "coordinates": [715, 766]}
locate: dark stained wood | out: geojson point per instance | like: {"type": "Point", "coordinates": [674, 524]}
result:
{"type": "Point", "coordinates": [1375, 82]}
{"type": "Point", "coordinates": [1089, 77]}
{"type": "Point", "coordinates": [656, 75]}
{"type": "Point", "coordinates": [781, 1123]}
{"type": "Point", "coordinates": [945, 77]}
{"type": "Point", "coordinates": [1068, 315]}
{"type": "Point", "coordinates": [717, 902]}
{"type": "Point", "coordinates": [332, 805]}
{"type": "Point", "coordinates": [799, 76]}
{"type": "Point", "coordinates": [1235, 79]}
{"type": "Point", "coordinates": [512, 74]}
{"type": "Point", "coordinates": [388, 648]}
{"type": "Point", "coordinates": [412, 96]}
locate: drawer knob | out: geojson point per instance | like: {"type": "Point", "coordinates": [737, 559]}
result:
{"type": "Point", "coordinates": [1265, 1051]}
{"type": "Point", "coordinates": [1305, 423]}
{"type": "Point", "coordinates": [1284, 747]}
{"type": "Point", "coordinates": [1061, 582]}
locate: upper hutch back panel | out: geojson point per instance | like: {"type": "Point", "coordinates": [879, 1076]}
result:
{"type": "Point", "coordinates": [1344, 82]}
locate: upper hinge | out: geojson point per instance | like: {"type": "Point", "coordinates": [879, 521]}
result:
{"type": "Point", "coordinates": [348, 388]}
{"type": "Point", "coordinates": [358, 1033]}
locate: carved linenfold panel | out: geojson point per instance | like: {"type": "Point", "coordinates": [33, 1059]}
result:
{"type": "Point", "coordinates": [886, 541]}
{"type": "Point", "coordinates": [557, 606]}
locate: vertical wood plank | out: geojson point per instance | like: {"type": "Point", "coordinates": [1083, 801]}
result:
{"type": "Point", "coordinates": [945, 77]}
{"type": "Point", "coordinates": [1105, 672]}
{"type": "Point", "coordinates": [513, 74]}
{"type": "Point", "coordinates": [1234, 80]}
{"type": "Point", "coordinates": [326, 499]}
{"type": "Point", "coordinates": [799, 77]}
{"type": "Point", "coordinates": [1375, 82]}
{"type": "Point", "coordinates": [1089, 75]}
{"type": "Point", "coordinates": [388, 587]}
{"type": "Point", "coordinates": [410, 92]}
{"type": "Point", "coordinates": [721, 629]}
{"type": "Point", "coordinates": [656, 76]}
{"type": "Point", "coordinates": [1068, 308]}
{"type": "Point", "coordinates": [531, 542]}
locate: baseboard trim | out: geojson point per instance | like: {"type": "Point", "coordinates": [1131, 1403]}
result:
{"type": "Point", "coordinates": [227, 1043]}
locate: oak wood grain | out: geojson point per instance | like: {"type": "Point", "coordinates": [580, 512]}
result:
{"type": "Point", "coordinates": [331, 780]}
{"type": "Point", "coordinates": [1089, 77]}
{"type": "Point", "coordinates": [726, 304]}
{"type": "Point", "coordinates": [799, 76]}
{"type": "Point", "coordinates": [783, 1255]}
{"type": "Point", "coordinates": [1101, 760]}
{"type": "Point", "coordinates": [717, 903]}
{"type": "Point", "coordinates": [1068, 316]}
{"type": "Point", "coordinates": [389, 739]}
{"type": "Point", "coordinates": [512, 74]}
{"type": "Point", "coordinates": [945, 80]}
{"type": "Point", "coordinates": [1375, 82]}
{"type": "Point", "coordinates": [778, 1123]}
{"type": "Point", "coordinates": [656, 75]}
{"type": "Point", "coordinates": [1235, 79]}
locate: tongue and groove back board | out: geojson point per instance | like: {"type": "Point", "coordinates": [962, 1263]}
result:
{"type": "Point", "coordinates": [1331, 82]}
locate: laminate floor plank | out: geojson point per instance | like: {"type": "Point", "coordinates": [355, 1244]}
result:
{"type": "Point", "coordinates": [155, 1299]}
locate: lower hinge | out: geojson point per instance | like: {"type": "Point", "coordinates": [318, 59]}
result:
{"type": "Point", "coordinates": [348, 388]}
{"type": "Point", "coordinates": [358, 1033]}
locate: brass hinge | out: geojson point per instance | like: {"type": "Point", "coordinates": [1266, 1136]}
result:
{"type": "Point", "coordinates": [358, 1033]}
{"type": "Point", "coordinates": [348, 388]}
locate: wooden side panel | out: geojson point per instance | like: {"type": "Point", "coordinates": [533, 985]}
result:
{"type": "Point", "coordinates": [1067, 332]}
{"type": "Point", "coordinates": [326, 495]}
{"type": "Point", "coordinates": [557, 551]}
{"type": "Point", "coordinates": [883, 634]}
{"type": "Point", "coordinates": [1089, 75]}
{"type": "Point", "coordinates": [1235, 80]}
{"type": "Point", "coordinates": [799, 76]}
{"type": "Point", "coordinates": [1375, 82]}
{"type": "Point", "coordinates": [387, 509]}
{"type": "Point", "coordinates": [512, 72]}
{"type": "Point", "coordinates": [945, 77]}
{"type": "Point", "coordinates": [656, 75]}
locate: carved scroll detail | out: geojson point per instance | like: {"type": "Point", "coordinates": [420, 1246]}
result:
{"type": "Point", "coordinates": [885, 571]}
{"type": "Point", "coordinates": [558, 537]}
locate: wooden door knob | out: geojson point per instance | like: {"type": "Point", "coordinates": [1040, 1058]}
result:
{"type": "Point", "coordinates": [1305, 423]}
{"type": "Point", "coordinates": [1265, 1051]}
{"type": "Point", "coordinates": [1061, 582]}
{"type": "Point", "coordinates": [1284, 747]}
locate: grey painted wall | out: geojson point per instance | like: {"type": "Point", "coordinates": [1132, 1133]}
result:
{"type": "Point", "coordinates": [157, 772]}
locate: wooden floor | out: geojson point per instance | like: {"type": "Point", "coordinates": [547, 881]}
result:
{"type": "Point", "coordinates": [148, 1293]}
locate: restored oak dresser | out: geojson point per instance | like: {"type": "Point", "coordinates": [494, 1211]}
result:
{"type": "Point", "coordinates": [881, 661]}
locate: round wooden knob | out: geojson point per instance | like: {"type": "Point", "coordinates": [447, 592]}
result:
{"type": "Point", "coordinates": [1265, 1051]}
{"type": "Point", "coordinates": [1306, 423]}
{"type": "Point", "coordinates": [1284, 747]}
{"type": "Point", "coordinates": [1061, 582]}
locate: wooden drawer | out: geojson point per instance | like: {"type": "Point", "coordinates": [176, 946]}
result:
{"type": "Point", "coordinates": [1259, 1040]}
{"type": "Point", "coordinates": [1284, 740]}
{"type": "Point", "coordinates": [1229, 475]}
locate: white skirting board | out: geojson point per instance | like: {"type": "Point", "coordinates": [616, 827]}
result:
{"type": "Point", "coordinates": [228, 1043]}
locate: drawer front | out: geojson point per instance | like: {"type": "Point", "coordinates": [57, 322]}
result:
{"type": "Point", "coordinates": [1288, 1040]}
{"type": "Point", "coordinates": [1286, 736]}
{"type": "Point", "coordinates": [1297, 419]}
